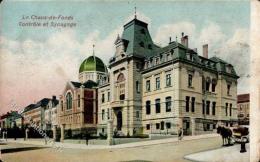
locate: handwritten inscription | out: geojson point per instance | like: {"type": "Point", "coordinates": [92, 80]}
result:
{"type": "Point", "coordinates": [53, 21]}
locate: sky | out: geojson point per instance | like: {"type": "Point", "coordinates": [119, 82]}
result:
{"type": "Point", "coordinates": [36, 62]}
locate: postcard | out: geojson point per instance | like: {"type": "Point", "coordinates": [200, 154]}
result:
{"type": "Point", "coordinates": [131, 81]}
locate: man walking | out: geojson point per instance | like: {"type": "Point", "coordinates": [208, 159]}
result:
{"type": "Point", "coordinates": [180, 134]}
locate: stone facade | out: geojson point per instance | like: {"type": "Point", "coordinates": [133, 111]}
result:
{"type": "Point", "coordinates": [77, 110]}
{"type": "Point", "coordinates": [154, 89]}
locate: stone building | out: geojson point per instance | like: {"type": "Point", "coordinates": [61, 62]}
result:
{"type": "Point", "coordinates": [77, 110]}
{"type": "Point", "coordinates": [36, 113]}
{"type": "Point", "coordinates": [50, 115]}
{"type": "Point", "coordinates": [243, 107]}
{"type": "Point", "coordinates": [153, 89]}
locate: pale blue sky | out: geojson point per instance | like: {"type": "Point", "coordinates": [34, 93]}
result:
{"type": "Point", "coordinates": [44, 59]}
{"type": "Point", "coordinates": [105, 16]}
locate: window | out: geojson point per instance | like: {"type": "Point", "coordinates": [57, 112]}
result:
{"type": "Point", "coordinates": [168, 104]}
{"type": "Point", "coordinates": [203, 107]}
{"type": "Point", "coordinates": [108, 96]}
{"type": "Point", "coordinates": [190, 80]}
{"type": "Point", "coordinates": [141, 44]}
{"type": "Point", "coordinates": [147, 126]}
{"type": "Point", "coordinates": [228, 89]}
{"type": "Point", "coordinates": [226, 109]}
{"type": "Point", "coordinates": [137, 114]}
{"type": "Point", "coordinates": [168, 125]}
{"type": "Point", "coordinates": [193, 104]}
{"type": "Point", "coordinates": [157, 80]}
{"type": "Point", "coordinates": [207, 85]}
{"type": "Point", "coordinates": [168, 80]}
{"type": "Point", "coordinates": [148, 107]}
{"type": "Point", "coordinates": [142, 31]}
{"type": "Point", "coordinates": [207, 107]}
{"type": "Point", "coordinates": [157, 125]}
{"type": "Point", "coordinates": [156, 61]}
{"type": "Point", "coordinates": [137, 87]}
{"type": "Point", "coordinates": [148, 86]}
{"type": "Point", "coordinates": [78, 100]}
{"type": "Point", "coordinates": [168, 57]}
{"type": "Point", "coordinates": [162, 125]}
{"type": "Point", "coordinates": [61, 105]}
{"type": "Point", "coordinates": [230, 109]}
{"type": "Point", "coordinates": [103, 98]}
{"type": "Point", "coordinates": [214, 83]}
{"type": "Point", "coordinates": [108, 114]}
{"type": "Point", "coordinates": [213, 108]}
{"type": "Point", "coordinates": [103, 114]}
{"type": "Point", "coordinates": [157, 106]}
{"type": "Point", "coordinates": [69, 101]}
{"type": "Point", "coordinates": [187, 103]}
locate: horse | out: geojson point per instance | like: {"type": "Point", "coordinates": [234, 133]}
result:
{"type": "Point", "coordinates": [226, 134]}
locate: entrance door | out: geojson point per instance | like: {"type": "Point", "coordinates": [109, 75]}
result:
{"type": "Point", "coordinates": [119, 120]}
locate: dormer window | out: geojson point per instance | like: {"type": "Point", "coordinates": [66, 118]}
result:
{"type": "Point", "coordinates": [157, 61]}
{"type": "Point", "coordinates": [141, 44]}
{"type": "Point", "coordinates": [172, 51]}
{"type": "Point", "coordinates": [142, 31]}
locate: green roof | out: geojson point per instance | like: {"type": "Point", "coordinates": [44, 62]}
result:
{"type": "Point", "coordinates": [92, 63]}
{"type": "Point", "coordinates": [138, 39]}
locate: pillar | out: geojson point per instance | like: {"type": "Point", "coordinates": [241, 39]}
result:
{"type": "Point", "coordinates": [110, 132]}
{"type": "Point", "coordinates": [62, 133]}
{"type": "Point", "coordinates": [26, 133]}
{"type": "Point", "coordinates": [192, 121]}
{"type": "Point", "coordinates": [54, 132]}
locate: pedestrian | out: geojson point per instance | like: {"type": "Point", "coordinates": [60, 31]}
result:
{"type": "Point", "coordinates": [180, 134]}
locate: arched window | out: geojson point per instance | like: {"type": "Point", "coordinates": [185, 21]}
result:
{"type": "Point", "coordinates": [121, 77]}
{"type": "Point", "coordinates": [121, 82]}
{"type": "Point", "coordinates": [69, 101]}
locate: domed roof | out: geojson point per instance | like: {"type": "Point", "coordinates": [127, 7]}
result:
{"type": "Point", "coordinates": [92, 63]}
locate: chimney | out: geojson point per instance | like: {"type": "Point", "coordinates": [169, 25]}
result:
{"type": "Point", "coordinates": [184, 40]}
{"type": "Point", "coordinates": [205, 50]}
{"type": "Point", "coordinates": [195, 50]}
{"type": "Point", "coordinates": [170, 40]}
{"type": "Point", "coordinates": [53, 97]}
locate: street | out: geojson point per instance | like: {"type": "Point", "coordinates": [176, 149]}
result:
{"type": "Point", "coordinates": [174, 151]}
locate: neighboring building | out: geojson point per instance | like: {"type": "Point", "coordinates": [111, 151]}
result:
{"type": "Point", "coordinates": [78, 103]}
{"type": "Point", "coordinates": [243, 106]}
{"type": "Point", "coordinates": [36, 113]}
{"type": "Point", "coordinates": [10, 119]}
{"type": "Point", "coordinates": [152, 89]}
{"type": "Point", "coordinates": [51, 114]}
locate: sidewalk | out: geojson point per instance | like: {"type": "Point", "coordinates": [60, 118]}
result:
{"type": "Point", "coordinates": [224, 154]}
{"type": "Point", "coordinates": [40, 142]}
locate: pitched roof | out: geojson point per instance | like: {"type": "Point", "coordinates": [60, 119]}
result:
{"type": "Point", "coordinates": [243, 98]}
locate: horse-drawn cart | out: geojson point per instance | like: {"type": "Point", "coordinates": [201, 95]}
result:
{"type": "Point", "coordinates": [240, 134]}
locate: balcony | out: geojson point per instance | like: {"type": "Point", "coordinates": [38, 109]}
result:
{"type": "Point", "coordinates": [120, 103]}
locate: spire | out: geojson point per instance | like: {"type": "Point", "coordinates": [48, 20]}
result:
{"type": "Point", "coordinates": [94, 53]}
{"type": "Point", "coordinates": [93, 49]}
{"type": "Point", "coordinates": [135, 13]}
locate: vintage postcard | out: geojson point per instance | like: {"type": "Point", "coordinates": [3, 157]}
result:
{"type": "Point", "coordinates": [130, 81]}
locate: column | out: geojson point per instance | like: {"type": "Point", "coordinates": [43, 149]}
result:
{"type": "Point", "coordinates": [110, 132]}
{"type": "Point", "coordinates": [192, 121]}
{"type": "Point", "coordinates": [62, 133]}
{"type": "Point", "coordinates": [54, 132]}
{"type": "Point", "coordinates": [26, 133]}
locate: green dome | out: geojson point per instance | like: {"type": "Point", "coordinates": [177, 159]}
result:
{"type": "Point", "coordinates": [92, 63]}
